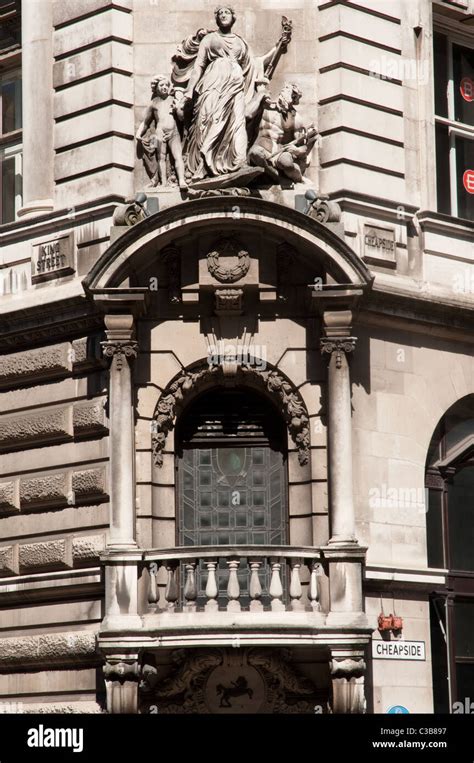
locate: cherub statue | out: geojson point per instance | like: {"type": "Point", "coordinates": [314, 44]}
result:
{"type": "Point", "coordinates": [166, 137]}
{"type": "Point", "coordinates": [283, 143]}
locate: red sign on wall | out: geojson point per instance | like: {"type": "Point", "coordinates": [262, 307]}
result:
{"type": "Point", "coordinates": [468, 181]}
{"type": "Point", "coordinates": [467, 89]}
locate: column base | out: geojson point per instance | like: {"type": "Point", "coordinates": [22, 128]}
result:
{"type": "Point", "coordinates": [37, 207]}
{"type": "Point", "coordinates": [343, 540]}
{"type": "Point", "coordinates": [121, 545]}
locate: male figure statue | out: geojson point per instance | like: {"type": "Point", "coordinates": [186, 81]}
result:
{"type": "Point", "coordinates": [161, 114]}
{"type": "Point", "coordinates": [283, 143]}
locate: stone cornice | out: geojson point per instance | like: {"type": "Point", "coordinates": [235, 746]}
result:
{"type": "Point", "coordinates": [36, 324]}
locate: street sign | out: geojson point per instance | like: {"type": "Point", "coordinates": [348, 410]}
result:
{"type": "Point", "coordinates": [398, 650]}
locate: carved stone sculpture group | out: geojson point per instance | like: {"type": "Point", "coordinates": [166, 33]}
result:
{"type": "Point", "coordinates": [212, 124]}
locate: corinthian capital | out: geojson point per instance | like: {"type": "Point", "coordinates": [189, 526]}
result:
{"type": "Point", "coordinates": [338, 345]}
{"type": "Point", "coordinates": [120, 349]}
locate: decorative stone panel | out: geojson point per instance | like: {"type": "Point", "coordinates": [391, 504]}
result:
{"type": "Point", "coordinates": [87, 548]}
{"type": "Point", "coordinates": [52, 424]}
{"type": "Point", "coordinates": [44, 426]}
{"type": "Point", "coordinates": [89, 483]}
{"type": "Point", "coordinates": [9, 496]}
{"type": "Point", "coordinates": [89, 418]}
{"type": "Point", "coordinates": [56, 554]}
{"type": "Point", "coordinates": [24, 367]}
{"type": "Point", "coordinates": [63, 553]}
{"type": "Point", "coordinates": [53, 489]}
{"type": "Point", "coordinates": [9, 564]}
{"type": "Point", "coordinates": [50, 489]}
{"type": "Point", "coordinates": [50, 649]}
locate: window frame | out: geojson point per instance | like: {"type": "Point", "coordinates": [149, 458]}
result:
{"type": "Point", "coordinates": [455, 129]}
{"type": "Point", "coordinates": [11, 146]}
{"type": "Point", "coordinates": [459, 586]}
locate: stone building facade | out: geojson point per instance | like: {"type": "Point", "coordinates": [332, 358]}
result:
{"type": "Point", "coordinates": [237, 378]}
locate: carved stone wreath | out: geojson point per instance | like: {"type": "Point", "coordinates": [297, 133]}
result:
{"type": "Point", "coordinates": [228, 247]}
{"type": "Point", "coordinates": [287, 398]}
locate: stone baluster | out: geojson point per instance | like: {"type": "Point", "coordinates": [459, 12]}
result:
{"type": "Point", "coordinates": [276, 588]}
{"type": "Point", "coordinates": [211, 586]}
{"type": "Point", "coordinates": [313, 593]}
{"type": "Point", "coordinates": [255, 586]}
{"type": "Point", "coordinates": [171, 590]}
{"type": "Point", "coordinates": [233, 587]}
{"type": "Point", "coordinates": [153, 588]}
{"type": "Point", "coordinates": [296, 590]}
{"type": "Point", "coordinates": [190, 587]}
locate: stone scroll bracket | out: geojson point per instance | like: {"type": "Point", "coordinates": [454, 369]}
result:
{"type": "Point", "coordinates": [271, 382]}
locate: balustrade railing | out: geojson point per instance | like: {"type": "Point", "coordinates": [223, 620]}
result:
{"type": "Point", "coordinates": [190, 579]}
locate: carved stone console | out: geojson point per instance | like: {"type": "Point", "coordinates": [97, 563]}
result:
{"type": "Point", "coordinates": [121, 673]}
{"type": "Point", "coordinates": [347, 677]}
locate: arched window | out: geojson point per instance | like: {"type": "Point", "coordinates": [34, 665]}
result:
{"type": "Point", "coordinates": [232, 473]}
{"type": "Point", "coordinates": [450, 536]}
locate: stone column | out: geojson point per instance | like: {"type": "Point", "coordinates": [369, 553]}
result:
{"type": "Point", "coordinates": [121, 348]}
{"type": "Point", "coordinates": [37, 75]}
{"type": "Point", "coordinates": [343, 554]}
{"type": "Point", "coordinates": [340, 439]}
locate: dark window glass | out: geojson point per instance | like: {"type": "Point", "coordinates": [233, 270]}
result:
{"type": "Point", "coordinates": [465, 681]}
{"type": "Point", "coordinates": [463, 75]}
{"type": "Point", "coordinates": [464, 163]}
{"type": "Point", "coordinates": [439, 655]}
{"type": "Point", "coordinates": [461, 520]}
{"type": "Point", "coordinates": [232, 483]}
{"type": "Point", "coordinates": [463, 625]}
{"type": "Point", "coordinates": [441, 75]}
{"type": "Point", "coordinates": [7, 207]}
{"type": "Point", "coordinates": [442, 169]}
{"type": "Point", "coordinates": [434, 523]}
{"type": "Point", "coordinates": [11, 106]}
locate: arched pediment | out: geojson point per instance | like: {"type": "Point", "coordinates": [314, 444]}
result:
{"type": "Point", "coordinates": [313, 240]}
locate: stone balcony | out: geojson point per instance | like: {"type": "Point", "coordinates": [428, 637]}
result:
{"type": "Point", "coordinates": [219, 595]}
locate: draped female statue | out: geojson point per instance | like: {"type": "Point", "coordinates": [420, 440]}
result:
{"type": "Point", "coordinates": [219, 75]}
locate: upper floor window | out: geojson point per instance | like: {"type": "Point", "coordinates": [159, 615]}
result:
{"type": "Point", "coordinates": [454, 116]}
{"type": "Point", "coordinates": [10, 146]}
{"type": "Point", "coordinates": [10, 110]}
{"type": "Point", "coordinates": [232, 478]}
